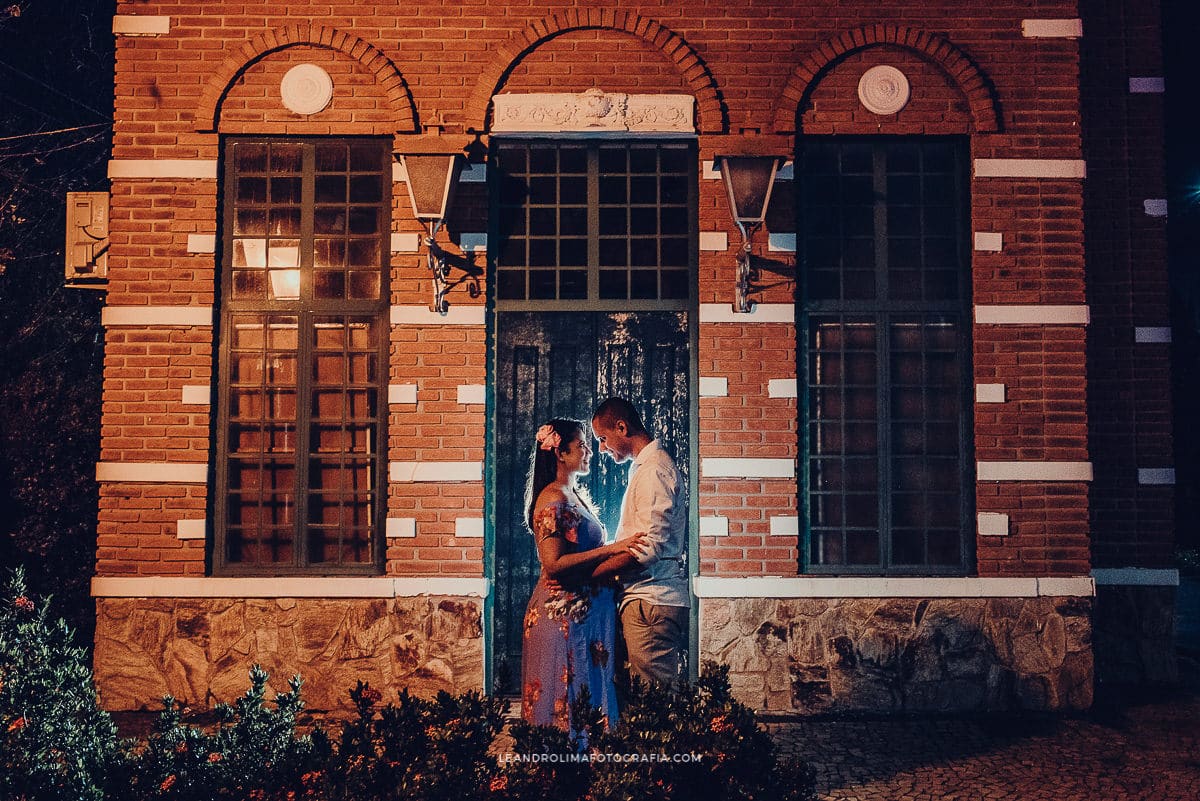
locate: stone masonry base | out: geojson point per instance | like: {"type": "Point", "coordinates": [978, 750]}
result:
{"type": "Point", "coordinates": [199, 650]}
{"type": "Point", "coordinates": [903, 655]}
{"type": "Point", "coordinates": [1135, 635]}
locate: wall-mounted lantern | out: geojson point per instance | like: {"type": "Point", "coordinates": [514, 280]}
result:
{"type": "Point", "coordinates": [748, 179]}
{"type": "Point", "coordinates": [432, 165]}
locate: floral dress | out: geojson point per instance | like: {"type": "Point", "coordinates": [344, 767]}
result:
{"type": "Point", "coordinates": [568, 634]}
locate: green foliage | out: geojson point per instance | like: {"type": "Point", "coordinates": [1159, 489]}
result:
{"type": "Point", "coordinates": [417, 748]}
{"type": "Point", "coordinates": [55, 741]}
{"type": "Point", "coordinates": [57, 744]}
{"type": "Point", "coordinates": [697, 743]}
{"type": "Point", "coordinates": [253, 753]}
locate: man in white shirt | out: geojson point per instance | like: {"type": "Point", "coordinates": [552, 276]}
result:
{"type": "Point", "coordinates": [654, 601]}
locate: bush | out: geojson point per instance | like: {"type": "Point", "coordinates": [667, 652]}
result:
{"type": "Point", "coordinates": [253, 753]}
{"type": "Point", "coordinates": [697, 743]}
{"type": "Point", "coordinates": [417, 749]}
{"type": "Point", "coordinates": [57, 744]}
{"type": "Point", "coordinates": [55, 740]}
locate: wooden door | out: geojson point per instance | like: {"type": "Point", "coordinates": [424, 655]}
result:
{"type": "Point", "coordinates": [561, 364]}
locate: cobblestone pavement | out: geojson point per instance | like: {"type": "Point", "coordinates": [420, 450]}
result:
{"type": "Point", "coordinates": [1144, 748]}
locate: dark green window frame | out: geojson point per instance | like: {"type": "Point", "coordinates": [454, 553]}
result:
{"type": "Point", "coordinates": [886, 414]}
{"type": "Point", "coordinates": [593, 224]}
{"type": "Point", "coordinates": [301, 440]}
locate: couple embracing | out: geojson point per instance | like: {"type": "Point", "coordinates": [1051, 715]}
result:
{"type": "Point", "coordinates": [586, 585]}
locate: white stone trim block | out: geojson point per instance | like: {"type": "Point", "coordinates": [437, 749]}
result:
{"type": "Point", "coordinates": [473, 243]}
{"type": "Point", "coordinates": [398, 172]}
{"type": "Point", "coordinates": [714, 467]}
{"type": "Point", "coordinates": [405, 243]}
{"type": "Point", "coordinates": [401, 528]}
{"type": "Point", "coordinates": [422, 315]}
{"type": "Point", "coordinates": [140, 25]}
{"type": "Point", "coordinates": [1159, 335]}
{"type": "Point", "coordinates": [783, 388]}
{"type": "Point", "coordinates": [1033, 471]}
{"type": "Point", "coordinates": [202, 243]}
{"type": "Point", "coordinates": [881, 587]}
{"type": "Point", "coordinates": [153, 472]}
{"type": "Point", "coordinates": [473, 173]}
{"type": "Point", "coordinates": [989, 241]}
{"type": "Point", "coordinates": [289, 587]}
{"type": "Point", "coordinates": [1033, 315]}
{"type": "Point", "coordinates": [715, 526]}
{"type": "Point", "coordinates": [990, 393]}
{"type": "Point", "coordinates": [785, 526]}
{"type": "Point", "coordinates": [472, 393]}
{"type": "Point", "coordinates": [714, 241]}
{"type": "Point", "coordinates": [1156, 477]}
{"type": "Point", "coordinates": [162, 168]}
{"type": "Point", "coordinates": [761, 313]}
{"type": "Point", "coordinates": [410, 472]}
{"type": "Point", "coordinates": [781, 243]}
{"type": "Point", "coordinates": [712, 386]}
{"type": "Point", "coordinates": [469, 527]}
{"type": "Point", "coordinates": [1030, 168]}
{"type": "Point", "coordinates": [196, 395]}
{"type": "Point", "coordinates": [1135, 577]}
{"type": "Point", "coordinates": [992, 524]}
{"type": "Point", "coordinates": [1155, 206]}
{"type": "Point", "coordinates": [593, 112]}
{"type": "Point", "coordinates": [191, 529]}
{"type": "Point", "coordinates": [709, 171]}
{"type": "Point", "coordinates": [113, 316]}
{"type": "Point", "coordinates": [1052, 28]}
{"type": "Point", "coordinates": [402, 393]}
{"type": "Point", "coordinates": [1147, 86]}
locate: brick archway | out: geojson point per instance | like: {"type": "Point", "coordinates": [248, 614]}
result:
{"type": "Point", "coordinates": [711, 114]}
{"type": "Point", "coordinates": [262, 44]}
{"type": "Point", "coordinates": [971, 81]}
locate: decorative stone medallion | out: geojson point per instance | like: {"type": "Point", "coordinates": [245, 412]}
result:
{"type": "Point", "coordinates": [883, 89]}
{"type": "Point", "coordinates": [306, 89]}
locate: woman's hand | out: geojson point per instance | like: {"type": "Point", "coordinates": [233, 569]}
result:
{"type": "Point", "coordinates": [629, 544]}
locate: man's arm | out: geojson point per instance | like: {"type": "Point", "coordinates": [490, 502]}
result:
{"type": "Point", "coordinates": [651, 513]}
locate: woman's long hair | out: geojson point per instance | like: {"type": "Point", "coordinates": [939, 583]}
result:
{"type": "Point", "coordinates": [543, 464]}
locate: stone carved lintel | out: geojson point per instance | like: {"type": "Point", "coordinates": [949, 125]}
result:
{"type": "Point", "coordinates": [593, 111]}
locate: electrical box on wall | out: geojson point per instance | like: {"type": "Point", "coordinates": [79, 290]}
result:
{"type": "Point", "coordinates": [86, 251]}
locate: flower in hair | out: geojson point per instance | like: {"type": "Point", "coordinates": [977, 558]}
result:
{"type": "Point", "coordinates": [547, 438]}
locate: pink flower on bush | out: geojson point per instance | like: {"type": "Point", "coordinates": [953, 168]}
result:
{"type": "Point", "coordinates": [720, 724]}
{"type": "Point", "coordinates": [499, 784]}
{"type": "Point", "coordinates": [167, 783]}
{"type": "Point", "coordinates": [23, 603]}
{"type": "Point", "coordinates": [18, 724]}
{"type": "Point", "coordinates": [215, 757]}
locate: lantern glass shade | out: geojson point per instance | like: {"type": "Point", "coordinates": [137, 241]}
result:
{"type": "Point", "coordinates": [748, 179]}
{"type": "Point", "coordinates": [431, 182]}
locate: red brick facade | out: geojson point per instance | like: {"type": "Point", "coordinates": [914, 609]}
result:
{"type": "Point", "coordinates": [1074, 393]}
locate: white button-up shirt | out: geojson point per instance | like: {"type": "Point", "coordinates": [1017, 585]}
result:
{"type": "Point", "coordinates": [655, 503]}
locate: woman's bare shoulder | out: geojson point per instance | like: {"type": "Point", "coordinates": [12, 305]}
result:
{"type": "Point", "coordinates": [548, 496]}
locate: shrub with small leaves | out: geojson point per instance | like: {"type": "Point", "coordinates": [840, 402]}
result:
{"type": "Point", "coordinates": [56, 742]}
{"type": "Point", "coordinates": [254, 752]}
{"type": "Point", "coordinates": [699, 742]}
{"type": "Point", "coordinates": [417, 748]}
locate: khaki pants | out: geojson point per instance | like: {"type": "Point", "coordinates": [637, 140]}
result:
{"type": "Point", "coordinates": [655, 639]}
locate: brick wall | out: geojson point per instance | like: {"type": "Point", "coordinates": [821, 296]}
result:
{"type": "Point", "coordinates": [399, 66]}
{"type": "Point", "coordinates": [1129, 400]}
